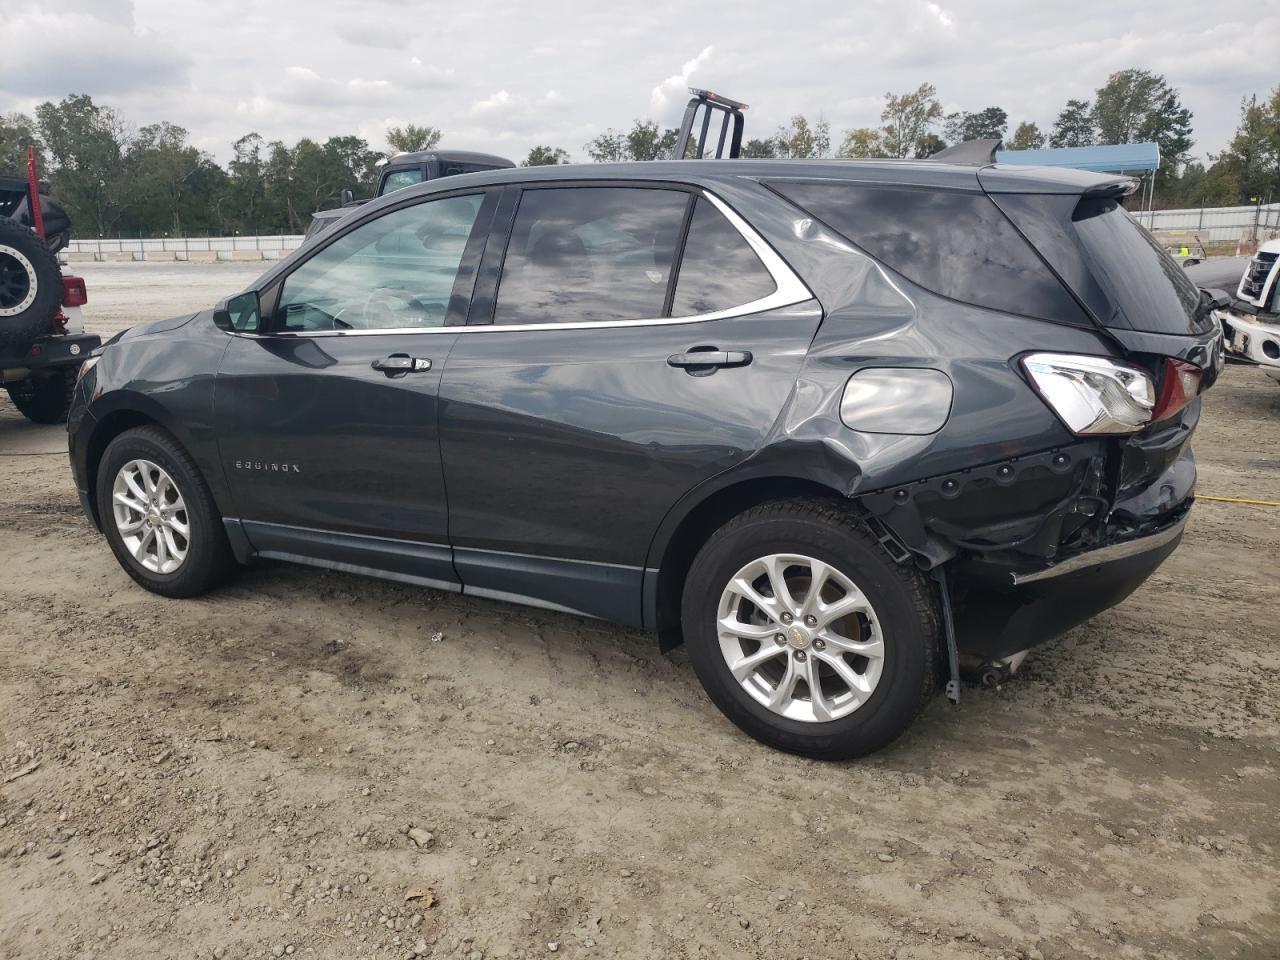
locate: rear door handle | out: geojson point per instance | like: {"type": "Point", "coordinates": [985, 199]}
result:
{"type": "Point", "coordinates": [710, 357]}
{"type": "Point", "coordinates": [399, 364]}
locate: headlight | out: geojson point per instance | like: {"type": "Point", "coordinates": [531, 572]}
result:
{"type": "Point", "coordinates": [1093, 395]}
{"type": "Point", "coordinates": [85, 366]}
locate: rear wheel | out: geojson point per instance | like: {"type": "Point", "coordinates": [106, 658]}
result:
{"type": "Point", "coordinates": [159, 516]}
{"type": "Point", "coordinates": [45, 397]}
{"type": "Point", "coordinates": [806, 634]}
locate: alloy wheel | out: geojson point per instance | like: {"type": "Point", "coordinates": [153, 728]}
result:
{"type": "Point", "coordinates": [151, 516]}
{"type": "Point", "coordinates": [800, 637]}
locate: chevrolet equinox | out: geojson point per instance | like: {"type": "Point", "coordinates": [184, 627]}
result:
{"type": "Point", "coordinates": [836, 426]}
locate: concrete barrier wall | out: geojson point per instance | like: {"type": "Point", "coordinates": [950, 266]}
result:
{"type": "Point", "coordinates": [170, 249]}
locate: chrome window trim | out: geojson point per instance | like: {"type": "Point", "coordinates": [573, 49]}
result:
{"type": "Point", "coordinates": [789, 291]}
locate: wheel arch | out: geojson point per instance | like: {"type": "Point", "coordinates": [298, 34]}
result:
{"type": "Point", "coordinates": [688, 525]}
{"type": "Point", "coordinates": [123, 414]}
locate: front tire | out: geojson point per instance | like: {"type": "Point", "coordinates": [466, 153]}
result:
{"type": "Point", "coordinates": [806, 634]}
{"type": "Point", "coordinates": [159, 516]}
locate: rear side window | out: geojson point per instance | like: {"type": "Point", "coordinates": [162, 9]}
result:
{"type": "Point", "coordinates": [1147, 284]}
{"type": "Point", "coordinates": [719, 269]}
{"type": "Point", "coordinates": [590, 254]}
{"type": "Point", "coordinates": [956, 244]}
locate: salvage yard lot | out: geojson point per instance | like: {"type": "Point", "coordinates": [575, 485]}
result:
{"type": "Point", "coordinates": [235, 776]}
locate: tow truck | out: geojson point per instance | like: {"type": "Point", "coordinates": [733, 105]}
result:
{"type": "Point", "coordinates": [1251, 321]}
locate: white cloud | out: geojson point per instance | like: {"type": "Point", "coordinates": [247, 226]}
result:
{"type": "Point", "coordinates": [502, 75]}
{"type": "Point", "coordinates": [678, 83]}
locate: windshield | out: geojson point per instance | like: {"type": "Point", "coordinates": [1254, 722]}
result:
{"type": "Point", "coordinates": [1148, 286]}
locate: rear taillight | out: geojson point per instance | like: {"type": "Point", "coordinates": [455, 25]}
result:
{"type": "Point", "coordinates": [1093, 395]}
{"type": "Point", "coordinates": [1179, 385]}
{"type": "Point", "coordinates": [74, 293]}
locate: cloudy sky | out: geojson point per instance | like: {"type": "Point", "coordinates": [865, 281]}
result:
{"type": "Point", "coordinates": [501, 76]}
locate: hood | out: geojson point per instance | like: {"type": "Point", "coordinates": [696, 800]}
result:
{"type": "Point", "coordinates": [152, 326]}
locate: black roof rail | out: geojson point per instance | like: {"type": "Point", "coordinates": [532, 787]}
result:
{"type": "Point", "coordinates": [979, 153]}
{"type": "Point", "coordinates": [709, 102]}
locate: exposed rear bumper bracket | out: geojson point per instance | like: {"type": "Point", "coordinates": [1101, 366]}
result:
{"type": "Point", "coordinates": [1106, 554]}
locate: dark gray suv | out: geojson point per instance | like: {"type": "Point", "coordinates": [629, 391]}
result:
{"type": "Point", "coordinates": [840, 428]}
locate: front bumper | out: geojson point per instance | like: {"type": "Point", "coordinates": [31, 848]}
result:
{"type": "Point", "coordinates": [1252, 338]}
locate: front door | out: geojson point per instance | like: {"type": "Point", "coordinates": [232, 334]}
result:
{"type": "Point", "coordinates": [327, 416]}
{"type": "Point", "coordinates": [617, 374]}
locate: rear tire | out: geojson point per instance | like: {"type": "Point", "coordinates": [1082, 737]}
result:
{"type": "Point", "coordinates": [45, 397]}
{"type": "Point", "coordinates": [155, 505]}
{"type": "Point", "coordinates": [874, 661]}
{"type": "Point", "coordinates": [30, 285]}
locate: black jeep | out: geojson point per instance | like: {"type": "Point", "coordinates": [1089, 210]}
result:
{"type": "Point", "coordinates": [42, 338]}
{"type": "Point", "coordinates": [837, 426]}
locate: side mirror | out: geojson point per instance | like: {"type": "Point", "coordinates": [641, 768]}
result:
{"type": "Point", "coordinates": [347, 196]}
{"type": "Point", "coordinates": [1217, 298]}
{"type": "Point", "coordinates": [238, 314]}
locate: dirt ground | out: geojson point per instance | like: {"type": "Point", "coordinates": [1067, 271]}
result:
{"type": "Point", "coordinates": [312, 764]}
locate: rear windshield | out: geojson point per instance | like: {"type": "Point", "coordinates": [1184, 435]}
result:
{"type": "Point", "coordinates": [956, 244]}
{"type": "Point", "coordinates": [1141, 279]}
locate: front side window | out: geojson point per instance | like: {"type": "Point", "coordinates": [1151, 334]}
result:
{"type": "Point", "coordinates": [590, 254]}
{"type": "Point", "coordinates": [719, 270]}
{"type": "Point", "coordinates": [399, 179]}
{"type": "Point", "coordinates": [397, 271]}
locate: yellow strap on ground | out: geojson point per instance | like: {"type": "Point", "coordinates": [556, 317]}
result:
{"type": "Point", "coordinates": [1253, 503]}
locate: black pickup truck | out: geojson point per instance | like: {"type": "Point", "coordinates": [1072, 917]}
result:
{"type": "Point", "coordinates": [406, 169]}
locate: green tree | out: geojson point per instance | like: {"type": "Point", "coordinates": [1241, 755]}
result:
{"type": "Point", "coordinates": [545, 156]}
{"type": "Point", "coordinates": [17, 132]}
{"type": "Point", "coordinates": [608, 147]}
{"type": "Point", "coordinates": [1075, 126]}
{"type": "Point", "coordinates": [87, 144]}
{"type": "Point", "coordinates": [907, 117]}
{"type": "Point", "coordinates": [1027, 136]}
{"type": "Point", "coordinates": [928, 145]}
{"type": "Point", "coordinates": [760, 149]}
{"type": "Point", "coordinates": [164, 171]}
{"type": "Point", "coordinates": [412, 137]}
{"type": "Point", "coordinates": [862, 143]}
{"type": "Point", "coordinates": [988, 123]}
{"type": "Point", "coordinates": [799, 139]}
{"type": "Point", "coordinates": [357, 160]}
{"type": "Point", "coordinates": [1138, 106]}
{"type": "Point", "coordinates": [1250, 165]}
{"type": "Point", "coordinates": [644, 141]}
{"type": "Point", "coordinates": [248, 183]}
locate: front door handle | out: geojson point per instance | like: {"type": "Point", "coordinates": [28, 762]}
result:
{"type": "Point", "coordinates": [710, 357]}
{"type": "Point", "coordinates": [398, 364]}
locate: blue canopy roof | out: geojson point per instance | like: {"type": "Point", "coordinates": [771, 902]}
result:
{"type": "Point", "coordinates": [1112, 158]}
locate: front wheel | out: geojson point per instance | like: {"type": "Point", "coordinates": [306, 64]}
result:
{"type": "Point", "coordinates": [159, 516]}
{"type": "Point", "coordinates": [806, 634]}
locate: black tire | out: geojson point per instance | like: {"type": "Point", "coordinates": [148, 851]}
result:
{"type": "Point", "coordinates": [23, 255]}
{"type": "Point", "coordinates": [903, 600]}
{"type": "Point", "coordinates": [208, 561]}
{"type": "Point", "coordinates": [45, 397]}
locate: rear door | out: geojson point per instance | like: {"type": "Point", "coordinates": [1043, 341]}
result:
{"type": "Point", "coordinates": [641, 339]}
{"type": "Point", "coordinates": [327, 415]}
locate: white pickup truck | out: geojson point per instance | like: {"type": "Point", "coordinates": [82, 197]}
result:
{"type": "Point", "coordinates": [1251, 323]}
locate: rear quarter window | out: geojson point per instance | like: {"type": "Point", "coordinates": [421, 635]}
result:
{"type": "Point", "coordinates": [1149, 287]}
{"type": "Point", "coordinates": [955, 244]}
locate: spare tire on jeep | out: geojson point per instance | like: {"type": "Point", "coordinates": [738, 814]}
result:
{"type": "Point", "coordinates": [30, 285]}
